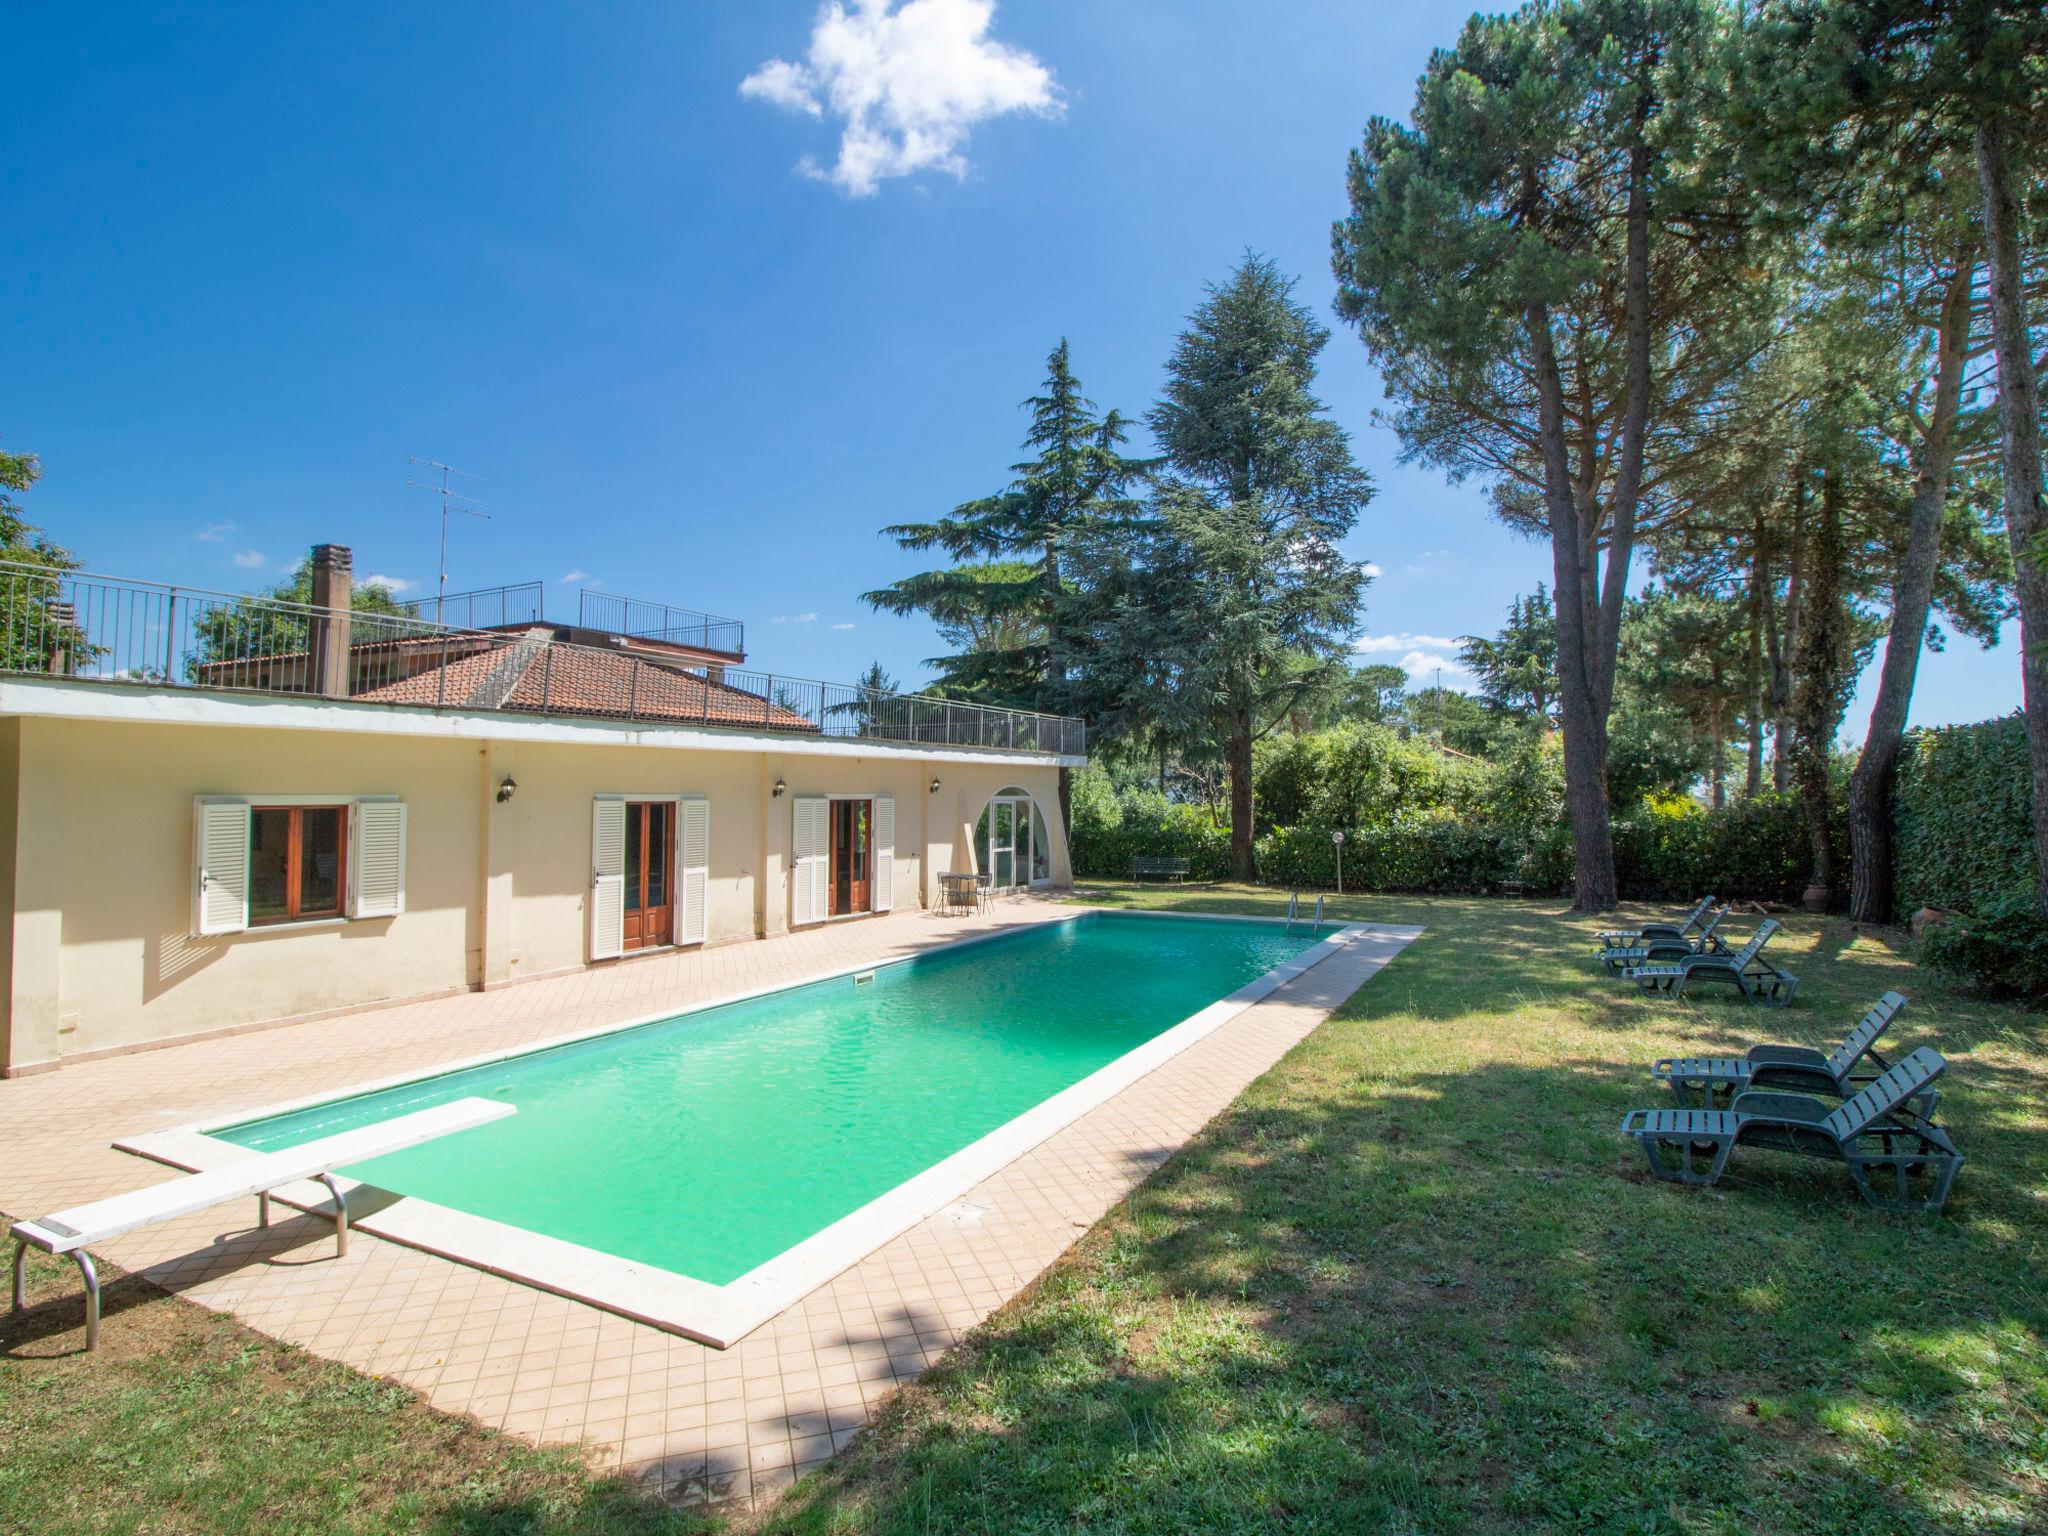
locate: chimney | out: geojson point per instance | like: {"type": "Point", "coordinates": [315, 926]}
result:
{"type": "Point", "coordinates": [333, 579]}
{"type": "Point", "coordinates": [61, 619]}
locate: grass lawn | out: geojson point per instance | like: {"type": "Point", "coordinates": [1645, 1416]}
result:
{"type": "Point", "coordinates": [1412, 1281]}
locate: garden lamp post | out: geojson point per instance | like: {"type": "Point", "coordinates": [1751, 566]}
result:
{"type": "Point", "coordinates": [1338, 839]}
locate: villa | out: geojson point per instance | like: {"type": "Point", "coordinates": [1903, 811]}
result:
{"type": "Point", "coordinates": [222, 812]}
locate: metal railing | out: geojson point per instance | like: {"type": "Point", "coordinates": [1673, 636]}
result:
{"type": "Point", "coordinates": [645, 620]}
{"type": "Point", "coordinates": [485, 608]}
{"type": "Point", "coordinates": [106, 629]}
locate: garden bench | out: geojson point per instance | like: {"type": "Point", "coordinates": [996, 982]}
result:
{"type": "Point", "coordinates": [71, 1231]}
{"type": "Point", "coordinates": [1873, 1133]}
{"type": "Point", "coordinates": [1159, 868]}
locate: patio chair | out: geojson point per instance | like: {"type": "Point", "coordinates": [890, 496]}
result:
{"type": "Point", "coordinates": [1706, 1081]}
{"type": "Point", "coordinates": [1664, 946]}
{"type": "Point", "coordinates": [1617, 938]}
{"type": "Point", "coordinates": [1899, 1160]}
{"type": "Point", "coordinates": [1757, 978]}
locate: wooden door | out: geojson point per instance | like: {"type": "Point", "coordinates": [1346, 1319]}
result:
{"type": "Point", "coordinates": [852, 846]}
{"type": "Point", "coordinates": [650, 874]}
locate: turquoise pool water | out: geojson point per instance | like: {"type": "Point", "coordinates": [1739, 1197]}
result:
{"type": "Point", "coordinates": [709, 1143]}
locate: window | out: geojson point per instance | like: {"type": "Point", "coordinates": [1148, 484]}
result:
{"type": "Point", "coordinates": [297, 855]}
{"type": "Point", "coordinates": [269, 860]}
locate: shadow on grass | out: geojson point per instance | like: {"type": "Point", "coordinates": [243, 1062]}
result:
{"type": "Point", "coordinates": [1414, 1280]}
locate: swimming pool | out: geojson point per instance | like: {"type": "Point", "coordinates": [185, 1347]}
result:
{"type": "Point", "coordinates": [726, 1154]}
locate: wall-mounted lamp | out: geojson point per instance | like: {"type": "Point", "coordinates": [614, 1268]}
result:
{"type": "Point", "coordinates": [507, 789]}
{"type": "Point", "coordinates": [779, 788]}
{"type": "Point", "coordinates": [935, 784]}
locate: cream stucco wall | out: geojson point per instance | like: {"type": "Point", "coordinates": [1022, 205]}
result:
{"type": "Point", "coordinates": [109, 808]}
{"type": "Point", "coordinates": [96, 864]}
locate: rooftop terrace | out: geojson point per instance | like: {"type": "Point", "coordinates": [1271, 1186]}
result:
{"type": "Point", "coordinates": [623, 660]}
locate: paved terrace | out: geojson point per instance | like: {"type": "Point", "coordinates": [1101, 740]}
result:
{"type": "Point", "coordinates": [721, 1425]}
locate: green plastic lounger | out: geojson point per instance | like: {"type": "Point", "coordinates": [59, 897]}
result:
{"type": "Point", "coordinates": [1703, 1082]}
{"type": "Point", "coordinates": [1899, 1160]}
{"type": "Point", "coordinates": [1620, 938]}
{"type": "Point", "coordinates": [1619, 957]}
{"type": "Point", "coordinates": [1745, 968]}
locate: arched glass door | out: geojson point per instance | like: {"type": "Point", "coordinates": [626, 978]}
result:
{"type": "Point", "coordinates": [1010, 842]}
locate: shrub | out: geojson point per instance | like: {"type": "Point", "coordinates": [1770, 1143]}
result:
{"type": "Point", "coordinates": [1436, 856]}
{"type": "Point", "coordinates": [1114, 825]}
{"type": "Point", "coordinates": [1964, 808]}
{"type": "Point", "coordinates": [2002, 952]}
{"type": "Point", "coordinates": [1457, 827]}
{"type": "Point", "coordinates": [1362, 775]}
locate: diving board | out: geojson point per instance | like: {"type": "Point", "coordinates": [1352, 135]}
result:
{"type": "Point", "coordinates": [73, 1230]}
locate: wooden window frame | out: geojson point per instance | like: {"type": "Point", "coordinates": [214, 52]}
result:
{"type": "Point", "coordinates": [294, 862]}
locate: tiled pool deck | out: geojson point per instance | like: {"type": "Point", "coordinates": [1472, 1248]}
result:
{"type": "Point", "coordinates": [731, 1424]}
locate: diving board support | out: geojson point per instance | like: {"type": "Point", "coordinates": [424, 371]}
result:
{"type": "Point", "coordinates": [68, 1232]}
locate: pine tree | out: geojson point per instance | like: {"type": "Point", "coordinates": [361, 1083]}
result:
{"type": "Point", "coordinates": [1000, 599]}
{"type": "Point", "coordinates": [1557, 280]}
{"type": "Point", "coordinates": [1517, 669]}
{"type": "Point", "coordinates": [1234, 604]}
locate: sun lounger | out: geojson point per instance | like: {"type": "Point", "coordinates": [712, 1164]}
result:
{"type": "Point", "coordinates": [1705, 1081]}
{"type": "Point", "coordinates": [74, 1230]}
{"type": "Point", "coordinates": [1886, 1147]}
{"type": "Point", "coordinates": [1745, 968]}
{"type": "Point", "coordinates": [1616, 938]}
{"type": "Point", "coordinates": [1664, 946]}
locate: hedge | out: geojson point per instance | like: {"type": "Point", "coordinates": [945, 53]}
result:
{"type": "Point", "coordinates": [1112, 828]}
{"type": "Point", "coordinates": [1755, 849]}
{"type": "Point", "coordinates": [1964, 811]}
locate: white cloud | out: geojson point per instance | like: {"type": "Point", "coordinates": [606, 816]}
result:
{"type": "Point", "coordinates": [783, 84]}
{"type": "Point", "coordinates": [806, 618]}
{"type": "Point", "coordinates": [1422, 657]}
{"type": "Point", "coordinates": [390, 583]}
{"type": "Point", "coordinates": [842, 626]}
{"type": "Point", "coordinates": [1427, 669]}
{"type": "Point", "coordinates": [1404, 642]}
{"type": "Point", "coordinates": [907, 82]}
{"type": "Point", "coordinates": [213, 533]}
{"type": "Point", "coordinates": [575, 576]}
{"type": "Point", "coordinates": [249, 558]}
{"type": "Point", "coordinates": [1373, 568]}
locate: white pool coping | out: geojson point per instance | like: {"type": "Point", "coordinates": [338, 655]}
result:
{"type": "Point", "coordinates": [721, 1315]}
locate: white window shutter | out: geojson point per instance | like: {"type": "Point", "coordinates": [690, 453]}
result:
{"type": "Point", "coordinates": [807, 862]}
{"type": "Point", "coordinates": [693, 866]}
{"type": "Point", "coordinates": [220, 865]}
{"type": "Point", "coordinates": [885, 854]}
{"type": "Point", "coordinates": [608, 877]}
{"type": "Point", "coordinates": [376, 849]}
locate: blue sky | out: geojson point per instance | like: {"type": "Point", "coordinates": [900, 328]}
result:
{"type": "Point", "coordinates": [701, 341]}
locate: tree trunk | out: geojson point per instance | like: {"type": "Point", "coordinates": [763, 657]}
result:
{"type": "Point", "coordinates": [2019, 420]}
{"type": "Point", "coordinates": [1784, 748]}
{"type": "Point", "coordinates": [1585, 747]}
{"type": "Point", "coordinates": [1870, 786]}
{"type": "Point", "coordinates": [1717, 748]}
{"type": "Point", "coordinates": [1753, 782]}
{"type": "Point", "coordinates": [1635, 419]}
{"type": "Point", "coordinates": [1243, 863]}
{"type": "Point", "coordinates": [1067, 805]}
{"type": "Point", "coordinates": [1822, 664]}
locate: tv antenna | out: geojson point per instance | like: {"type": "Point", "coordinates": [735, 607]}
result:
{"type": "Point", "coordinates": [452, 500]}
